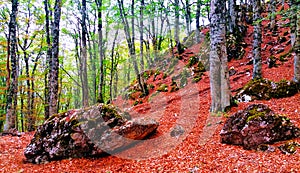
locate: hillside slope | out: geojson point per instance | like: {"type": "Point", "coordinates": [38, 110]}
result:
{"type": "Point", "coordinates": [187, 139]}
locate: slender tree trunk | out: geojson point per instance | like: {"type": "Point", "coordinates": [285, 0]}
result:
{"type": "Point", "coordinates": [273, 15]}
{"type": "Point", "coordinates": [142, 35]}
{"type": "Point", "coordinates": [54, 63]}
{"type": "Point", "coordinates": [116, 82]}
{"type": "Point", "coordinates": [219, 77]}
{"type": "Point", "coordinates": [130, 41]}
{"type": "Point", "coordinates": [257, 62]}
{"type": "Point", "coordinates": [85, 86]}
{"type": "Point", "coordinates": [232, 15]}
{"type": "Point", "coordinates": [293, 18]}
{"type": "Point", "coordinates": [26, 44]}
{"type": "Point", "coordinates": [177, 15]}
{"type": "Point", "coordinates": [187, 14]}
{"type": "Point", "coordinates": [297, 46]}
{"type": "Point", "coordinates": [11, 109]}
{"type": "Point", "coordinates": [48, 59]}
{"type": "Point", "coordinates": [113, 65]}
{"type": "Point", "coordinates": [100, 42]}
{"type": "Point", "coordinates": [198, 14]}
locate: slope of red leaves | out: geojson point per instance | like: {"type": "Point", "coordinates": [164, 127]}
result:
{"type": "Point", "coordinates": [198, 149]}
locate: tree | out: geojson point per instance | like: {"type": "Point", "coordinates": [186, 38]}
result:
{"type": "Point", "coordinates": [219, 77]}
{"type": "Point", "coordinates": [188, 15]}
{"type": "Point", "coordinates": [130, 41]}
{"type": "Point", "coordinates": [273, 15]}
{"type": "Point", "coordinates": [296, 47]}
{"type": "Point", "coordinates": [11, 104]}
{"type": "Point", "coordinates": [293, 18]}
{"type": "Point", "coordinates": [232, 15]}
{"type": "Point", "coordinates": [142, 6]}
{"type": "Point", "coordinates": [101, 52]}
{"type": "Point", "coordinates": [83, 64]}
{"type": "Point", "coordinates": [54, 62]}
{"type": "Point", "coordinates": [177, 16]}
{"type": "Point", "coordinates": [48, 59]}
{"type": "Point", "coordinates": [257, 73]}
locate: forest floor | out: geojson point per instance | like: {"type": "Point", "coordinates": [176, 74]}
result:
{"type": "Point", "coordinates": [198, 149]}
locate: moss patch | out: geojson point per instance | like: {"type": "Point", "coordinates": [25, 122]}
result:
{"type": "Point", "coordinates": [263, 89]}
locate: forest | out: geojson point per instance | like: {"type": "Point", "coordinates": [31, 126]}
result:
{"type": "Point", "coordinates": [149, 86]}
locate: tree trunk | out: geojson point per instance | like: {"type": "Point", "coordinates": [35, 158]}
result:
{"type": "Point", "coordinates": [100, 40]}
{"type": "Point", "coordinates": [187, 14]}
{"type": "Point", "coordinates": [257, 72]}
{"type": "Point", "coordinates": [142, 35]}
{"type": "Point", "coordinates": [84, 84]}
{"type": "Point", "coordinates": [297, 47]}
{"type": "Point", "coordinates": [273, 15]}
{"type": "Point", "coordinates": [48, 59]}
{"type": "Point", "coordinates": [293, 18]}
{"type": "Point", "coordinates": [92, 49]}
{"type": "Point", "coordinates": [198, 14]}
{"type": "Point", "coordinates": [232, 15]}
{"type": "Point", "coordinates": [11, 109]}
{"type": "Point", "coordinates": [54, 63]}
{"type": "Point", "coordinates": [113, 65]}
{"type": "Point", "coordinates": [130, 41]}
{"type": "Point", "coordinates": [177, 15]}
{"type": "Point", "coordinates": [219, 78]}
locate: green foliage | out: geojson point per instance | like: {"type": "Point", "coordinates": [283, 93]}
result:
{"type": "Point", "coordinates": [163, 88]}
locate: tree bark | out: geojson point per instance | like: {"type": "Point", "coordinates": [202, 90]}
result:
{"type": "Point", "coordinates": [114, 64]}
{"type": "Point", "coordinates": [219, 77]}
{"type": "Point", "coordinates": [198, 14]}
{"type": "Point", "coordinates": [297, 46]}
{"type": "Point", "coordinates": [293, 18]}
{"type": "Point", "coordinates": [273, 15]}
{"type": "Point", "coordinates": [54, 63]}
{"type": "Point", "coordinates": [232, 15]}
{"type": "Point", "coordinates": [48, 59]}
{"type": "Point", "coordinates": [257, 72]}
{"type": "Point", "coordinates": [100, 40]}
{"type": "Point", "coordinates": [130, 41]}
{"type": "Point", "coordinates": [84, 84]}
{"type": "Point", "coordinates": [11, 109]}
{"type": "Point", "coordinates": [142, 35]}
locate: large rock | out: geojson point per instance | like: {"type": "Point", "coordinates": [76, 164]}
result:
{"type": "Point", "coordinates": [86, 132]}
{"type": "Point", "coordinates": [257, 125]}
{"type": "Point", "coordinates": [263, 89]}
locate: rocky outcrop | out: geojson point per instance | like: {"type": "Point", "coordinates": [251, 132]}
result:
{"type": "Point", "coordinates": [263, 89]}
{"type": "Point", "coordinates": [92, 131]}
{"type": "Point", "coordinates": [257, 125]}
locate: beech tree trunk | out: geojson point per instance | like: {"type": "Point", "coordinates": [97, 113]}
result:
{"type": "Point", "coordinates": [297, 46]}
{"type": "Point", "coordinates": [54, 63]}
{"type": "Point", "coordinates": [257, 72]}
{"type": "Point", "coordinates": [83, 64]}
{"type": "Point", "coordinates": [100, 42]}
{"type": "Point", "coordinates": [12, 78]}
{"type": "Point", "coordinates": [198, 14]}
{"type": "Point", "coordinates": [48, 59]}
{"type": "Point", "coordinates": [273, 15]}
{"type": "Point", "coordinates": [219, 77]}
{"type": "Point", "coordinates": [130, 41]}
{"type": "Point", "coordinates": [293, 18]}
{"type": "Point", "coordinates": [232, 15]}
{"type": "Point", "coordinates": [142, 35]}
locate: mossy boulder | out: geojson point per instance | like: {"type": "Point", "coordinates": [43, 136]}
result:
{"type": "Point", "coordinates": [264, 89]}
{"type": "Point", "coordinates": [256, 125]}
{"type": "Point", "coordinates": [86, 132]}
